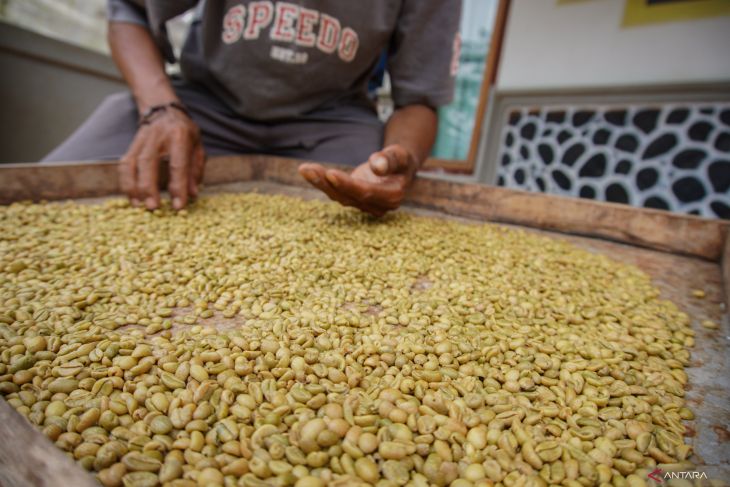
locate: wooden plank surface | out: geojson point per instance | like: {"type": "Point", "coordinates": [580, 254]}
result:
{"type": "Point", "coordinates": [654, 229]}
{"type": "Point", "coordinates": [452, 166]}
{"type": "Point", "coordinates": [30, 181]}
{"type": "Point", "coordinates": [27, 457]}
{"type": "Point", "coordinates": [726, 267]}
{"type": "Point", "coordinates": [58, 181]}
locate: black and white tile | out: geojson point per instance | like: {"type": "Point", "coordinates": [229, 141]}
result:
{"type": "Point", "coordinates": [672, 157]}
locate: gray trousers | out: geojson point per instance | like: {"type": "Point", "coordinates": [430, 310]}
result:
{"type": "Point", "coordinates": [344, 135]}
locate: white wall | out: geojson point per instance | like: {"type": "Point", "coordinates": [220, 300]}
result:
{"type": "Point", "coordinates": [78, 22]}
{"type": "Point", "coordinates": [583, 45]}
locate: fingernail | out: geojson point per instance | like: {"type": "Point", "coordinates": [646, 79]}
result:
{"type": "Point", "coordinates": [311, 176]}
{"type": "Point", "coordinates": [150, 203]}
{"type": "Point", "coordinates": [135, 202]}
{"type": "Point", "coordinates": [380, 163]}
{"type": "Point", "coordinates": [177, 203]}
{"type": "Point", "coordinates": [332, 179]}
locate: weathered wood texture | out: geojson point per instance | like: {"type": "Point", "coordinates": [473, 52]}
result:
{"type": "Point", "coordinates": [57, 181]}
{"type": "Point", "coordinates": [33, 459]}
{"type": "Point", "coordinates": [36, 182]}
{"type": "Point", "coordinates": [726, 268]}
{"type": "Point", "coordinates": [654, 229]}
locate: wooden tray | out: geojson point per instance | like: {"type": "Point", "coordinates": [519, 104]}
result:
{"type": "Point", "coordinates": [679, 252]}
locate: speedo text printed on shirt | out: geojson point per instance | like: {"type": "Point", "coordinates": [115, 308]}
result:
{"type": "Point", "coordinates": [289, 23]}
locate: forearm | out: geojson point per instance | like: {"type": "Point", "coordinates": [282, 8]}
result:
{"type": "Point", "coordinates": [413, 127]}
{"type": "Point", "coordinates": [141, 64]}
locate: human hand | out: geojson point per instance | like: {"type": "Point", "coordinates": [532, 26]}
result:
{"type": "Point", "coordinates": [376, 186]}
{"type": "Point", "coordinates": [172, 135]}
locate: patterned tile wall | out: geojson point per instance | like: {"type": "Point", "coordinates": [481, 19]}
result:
{"type": "Point", "coordinates": [672, 157]}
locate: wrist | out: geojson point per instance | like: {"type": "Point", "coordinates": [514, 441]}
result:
{"type": "Point", "coordinates": [156, 111]}
{"type": "Point", "coordinates": [144, 106]}
{"type": "Point", "coordinates": [156, 92]}
{"type": "Point", "coordinates": [413, 162]}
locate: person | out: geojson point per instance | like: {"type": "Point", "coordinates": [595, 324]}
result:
{"type": "Point", "coordinates": [274, 77]}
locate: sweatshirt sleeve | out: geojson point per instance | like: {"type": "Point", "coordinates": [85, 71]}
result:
{"type": "Point", "coordinates": [423, 54]}
{"type": "Point", "coordinates": [126, 11]}
{"type": "Point", "coordinates": [154, 17]}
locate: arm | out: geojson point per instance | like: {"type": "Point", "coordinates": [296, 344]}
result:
{"type": "Point", "coordinates": [413, 128]}
{"type": "Point", "coordinates": [169, 134]}
{"type": "Point", "coordinates": [140, 62]}
{"type": "Point", "coordinates": [422, 59]}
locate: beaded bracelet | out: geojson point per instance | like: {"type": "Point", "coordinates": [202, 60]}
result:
{"type": "Point", "coordinates": [146, 117]}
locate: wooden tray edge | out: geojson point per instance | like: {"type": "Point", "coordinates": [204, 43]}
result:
{"type": "Point", "coordinates": [654, 229]}
{"type": "Point", "coordinates": [726, 271]}
{"type": "Point", "coordinates": [39, 462]}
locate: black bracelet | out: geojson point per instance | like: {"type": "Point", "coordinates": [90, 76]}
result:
{"type": "Point", "coordinates": [146, 117]}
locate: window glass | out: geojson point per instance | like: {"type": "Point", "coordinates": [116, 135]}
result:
{"type": "Point", "coordinates": [456, 120]}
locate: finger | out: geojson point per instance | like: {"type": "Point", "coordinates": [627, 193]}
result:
{"type": "Point", "coordinates": [196, 177]}
{"type": "Point", "coordinates": [316, 176]}
{"type": "Point", "coordinates": [393, 159]}
{"type": "Point", "coordinates": [180, 162]}
{"type": "Point", "coordinates": [384, 194]}
{"type": "Point", "coordinates": [312, 172]}
{"type": "Point", "coordinates": [148, 174]}
{"type": "Point", "coordinates": [374, 208]}
{"type": "Point", "coordinates": [128, 169]}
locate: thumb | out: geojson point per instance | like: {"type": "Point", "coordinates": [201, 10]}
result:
{"type": "Point", "coordinates": [393, 159]}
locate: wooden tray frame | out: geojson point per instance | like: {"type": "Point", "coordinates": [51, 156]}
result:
{"type": "Point", "coordinates": [40, 463]}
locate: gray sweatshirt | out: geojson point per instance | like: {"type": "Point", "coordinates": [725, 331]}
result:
{"type": "Point", "coordinates": [271, 60]}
